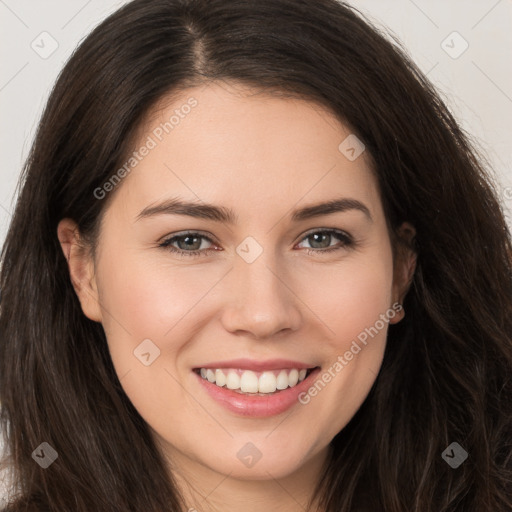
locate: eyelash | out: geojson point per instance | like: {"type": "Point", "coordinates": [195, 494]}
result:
{"type": "Point", "coordinates": [346, 240]}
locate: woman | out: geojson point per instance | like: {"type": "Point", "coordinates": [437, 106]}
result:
{"type": "Point", "coordinates": [254, 261]}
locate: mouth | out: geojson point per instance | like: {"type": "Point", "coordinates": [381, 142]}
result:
{"type": "Point", "coordinates": [262, 391]}
{"type": "Point", "coordinates": [255, 383]}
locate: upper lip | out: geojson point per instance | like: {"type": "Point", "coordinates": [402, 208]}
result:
{"type": "Point", "coordinates": [258, 366]}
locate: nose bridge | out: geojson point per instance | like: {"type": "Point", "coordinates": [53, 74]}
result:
{"type": "Point", "coordinates": [260, 300]}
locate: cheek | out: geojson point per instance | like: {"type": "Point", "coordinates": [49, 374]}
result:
{"type": "Point", "coordinates": [351, 296]}
{"type": "Point", "coordinates": [149, 298]}
{"type": "Point", "coordinates": [353, 299]}
{"type": "Point", "coordinates": [152, 300]}
{"type": "Point", "coordinates": [142, 302]}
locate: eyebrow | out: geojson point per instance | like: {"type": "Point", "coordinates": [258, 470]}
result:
{"type": "Point", "coordinates": [177, 206]}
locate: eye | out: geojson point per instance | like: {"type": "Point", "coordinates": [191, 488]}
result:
{"type": "Point", "coordinates": [189, 244]}
{"type": "Point", "coordinates": [320, 241]}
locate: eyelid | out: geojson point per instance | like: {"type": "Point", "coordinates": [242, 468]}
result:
{"type": "Point", "coordinates": [338, 231]}
{"type": "Point", "coordinates": [167, 241]}
{"type": "Point", "coordinates": [203, 234]}
{"type": "Point", "coordinates": [345, 238]}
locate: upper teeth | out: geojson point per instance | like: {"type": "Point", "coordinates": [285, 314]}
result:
{"type": "Point", "coordinates": [248, 381]}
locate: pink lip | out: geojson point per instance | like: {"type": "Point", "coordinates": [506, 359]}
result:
{"type": "Point", "coordinates": [257, 406]}
{"type": "Point", "coordinates": [257, 366]}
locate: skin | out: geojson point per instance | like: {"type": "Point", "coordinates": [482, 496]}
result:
{"type": "Point", "coordinates": [261, 156]}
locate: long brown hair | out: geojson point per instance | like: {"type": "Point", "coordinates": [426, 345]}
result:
{"type": "Point", "coordinates": [446, 374]}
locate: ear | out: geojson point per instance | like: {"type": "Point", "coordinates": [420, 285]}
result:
{"type": "Point", "coordinates": [81, 268]}
{"type": "Point", "coordinates": [403, 267]}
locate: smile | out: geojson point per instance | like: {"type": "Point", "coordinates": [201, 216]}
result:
{"type": "Point", "coordinates": [251, 382]}
{"type": "Point", "coordinates": [256, 389]}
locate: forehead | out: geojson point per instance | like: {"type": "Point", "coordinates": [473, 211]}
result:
{"type": "Point", "coordinates": [229, 143]}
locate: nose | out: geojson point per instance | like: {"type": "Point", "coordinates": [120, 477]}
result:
{"type": "Point", "coordinates": [259, 299]}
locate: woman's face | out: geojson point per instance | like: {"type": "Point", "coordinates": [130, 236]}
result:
{"type": "Point", "coordinates": [271, 283]}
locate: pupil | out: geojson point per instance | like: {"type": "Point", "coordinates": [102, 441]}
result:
{"type": "Point", "coordinates": [317, 235]}
{"type": "Point", "coordinates": [189, 240]}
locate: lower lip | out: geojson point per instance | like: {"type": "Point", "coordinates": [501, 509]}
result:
{"type": "Point", "coordinates": [258, 406]}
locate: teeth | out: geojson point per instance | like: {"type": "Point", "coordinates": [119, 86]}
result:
{"type": "Point", "coordinates": [232, 380]}
{"type": "Point", "coordinates": [282, 380]}
{"type": "Point", "coordinates": [267, 383]}
{"type": "Point", "coordinates": [293, 378]}
{"type": "Point", "coordinates": [251, 382]}
{"type": "Point", "coordinates": [220, 378]}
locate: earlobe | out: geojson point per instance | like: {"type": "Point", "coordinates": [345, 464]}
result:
{"type": "Point", "coordinates": [81, 268]}
{"type": "Point", "coordinates": [404, 267]}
